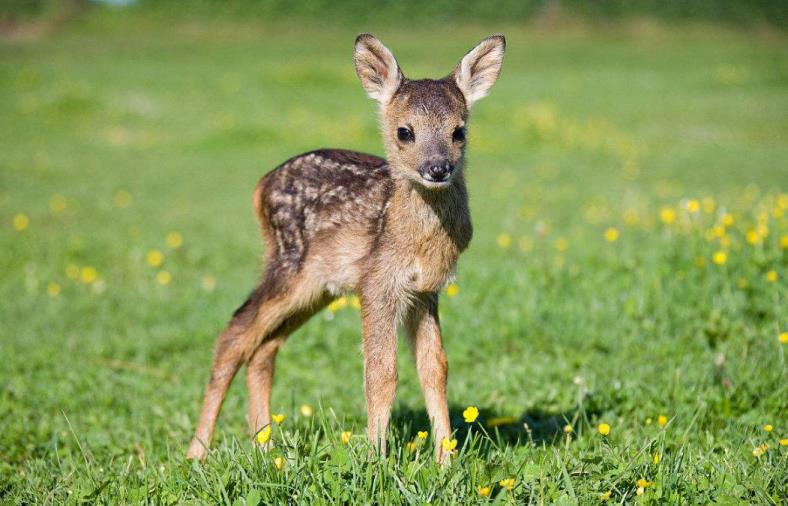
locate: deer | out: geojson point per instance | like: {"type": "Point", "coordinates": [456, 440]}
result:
{"type": "Point", "coordinates": [391, 230]}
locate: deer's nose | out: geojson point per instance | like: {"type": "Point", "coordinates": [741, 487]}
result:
{"type": "Point", "coordinates": [437, 172]}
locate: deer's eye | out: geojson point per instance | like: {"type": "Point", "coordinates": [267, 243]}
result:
{"type": "Point", "coordinates": [405, 134]}
{"type": "Point", "coordinates": [458, 135]}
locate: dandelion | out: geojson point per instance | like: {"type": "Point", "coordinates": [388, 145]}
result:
{"type": "Point", "coordinates": [719, 257]}
{"type": "Point", "coordinates": [72, 271]}
{"type": "Point", "coordinates": [470, 414]}
{"type": "Point", "coordinates": [784, 242]}
{"type": "Point", "coordinates": [163, 278]}
{"type": "Point", "coordinates": [784, 442]}
{"type": "Point", "coordinates": [337, 304]}
{"type": "Point", "coordinates": [604, 496]}
{"type": "Point", "coordinates": [667, 215]}
{"type": "Point", "coordinates": [422, 434]}
{"type": "Point", "coordinates": [174, 240]}
{"type": "Point", "coordinates": [122, 199]}
{"type": "Point", "coordinates": [278, 419]}
{"type": "Point", "coordinates": [507, 483]}
{"type": "Point", "coordinates": [411, 446]}
{"type": "Point", "coordinates": [355, 302]}
{"type": "Point", "coordinates": [727, 220]}
{"type": "Point", "coordinates": [603, 429]}
{"type": "Point", "coordinates": [768, 427]}
{"type": "Point", "coordinates": [504, 240]}
{"type": "Point", "coordinates": [208, 283]}
{"type": "Point", "coordinates": [20, 222]}
{"type": "Point", "coordinates": [53, 289]}
{"type": "Point", "coordinates": [279, 463]}
{"type": "Point", "coordinates": [57, 203]}
{"type": "Point", "coordinates": [752, 237]}
{"type": "Point", "coordinates": [640, 491]}
{"type": "Point", "coordinates": [306, 410]}
{"type": "Point", "coordinates": [88, 275]}
{"type": "Point", "coordinates": [452, 290]}
{"type": "Point", "coordinates": [568, 429]}
{"type": "Point", "coordinates": [771, 276]}
{"type": "Point", "coordinates": [154, 258]}
{"type": "Point", "coordinates": [483, 491]}
{"type": "Point", "coordinates": [264, 435]}
{"type": "Point", "coordinates": [345, 437]}
{"type": "Point", "coordinates": [448, 445]}
{"type": "Point", "coordinates": [662, 420]}
{"type": "Point", "coordinates": [783, 337]}
{"type": "Point", "coordinates": [655, 458]}
{"type": "Point", "coordinates": [693, 206]}
{"type": "Point", "coordinates": [611, 234]}
{"type": "Point", "coordinates": [758, 451]}
{"type": "Point", "coordinates": [561, 244]}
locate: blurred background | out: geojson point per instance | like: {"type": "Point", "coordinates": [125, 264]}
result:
{"type": "Point", "coordinates": [628, 183]}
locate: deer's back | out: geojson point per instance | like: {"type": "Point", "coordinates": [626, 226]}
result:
{"type": "Point", "coordinates": [317, 195]}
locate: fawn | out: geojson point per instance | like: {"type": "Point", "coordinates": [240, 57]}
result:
{"type": "Point", "coordinates": [337, 221]}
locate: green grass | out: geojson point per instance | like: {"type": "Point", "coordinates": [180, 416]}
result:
{"type": "Point", "coordinates": [587, 129]}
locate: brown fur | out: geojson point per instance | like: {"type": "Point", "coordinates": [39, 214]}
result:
{"type": "Point", "coordinates": [338, 221]}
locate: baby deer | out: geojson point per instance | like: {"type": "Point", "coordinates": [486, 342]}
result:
{"type": "Point", "coordinates": [338, 222]}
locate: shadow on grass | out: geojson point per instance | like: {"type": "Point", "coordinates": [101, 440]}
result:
{"type": "Point", "coordinates": [532, 426]}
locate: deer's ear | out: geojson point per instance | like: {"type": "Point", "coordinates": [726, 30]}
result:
{"type": "Point", "coordinates": [479, 69]}
{"type": "Point", "coordinates": [377, 68]}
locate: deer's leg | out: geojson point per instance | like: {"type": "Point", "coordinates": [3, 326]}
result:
{"type": "Point", "coordinates": [253, 323]}
{"type": "Point", "coordinates": [380, 365]}
{"type": "Point", "coordinates": [424, 333]}
{"type": "Point", "coordinates": [260, 368]}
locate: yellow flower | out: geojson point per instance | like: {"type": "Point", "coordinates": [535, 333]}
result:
{"type": "Point", "coordinates": [752, 237]}
{"type": "Point", "coordinates": [448, 445]}
{"type": "Point", "coordinates": [154, 258]}
{"type": "Point", "coordinates": [667, 215]}
{"type": "Point", "coordinates": [88, 275]}
{"type": "Point", "coordinates": [174, 240]}
{"type": "Point", "coordinates": [504, 240]}
{"type": "Point", "coordinates": [719, 257]}
{"type": "Point", "coordinates": [507, 483]}
{"type": "Point", "coordinates": [355, 302]}
{"type": "Point", "coordinates": [337, 304]}
{"type": "Point", "coordinates": [278, 419]}
{"type": "Point", "coordinates": [411, 446]}
{"type": "Point", "coordinates": [163, 277]}
{"type": "Point", "coordinates": [784, 442]}
{"type": "Point", "coordinates": [784, 242]}
{"type": "Point", "coordinates": [783, 337]}
{"type": "Point", "coordinates": [422, 434]}
{"type": "Point", "coordinates": [693, 206]}
{"type": "Point", "coordinates": [279, 463]}
{"type": "Point", "coordinates": [603, 429]}
{"type": "Point", "coordinates": [20, 222]}
{"type": "Point", "coordinates": [57, 203]}
{"type": "Point", "coordinates": [122, 199]}
{"type": "Point", "coordinates": [72, 271]}
{"type": "Point", "coordinates": [642, 482]}
{"type": "Point", "coordinates": [452, 290]}
{"type": "Point", "coordinates": [561, 244]}
{"type": "Point", "coordinates": [483, 491]}
{"type": "Point", "coordinates": [640, 491]}
{"type": "Point", "coordinates": [726, 220]}
{"type": "Point", "coordinates": [470, 414]}
{"type": "Point", "coordinates": [568, 429]}
{"type": "Point", "coordinates": [656, 458]}
{"type": "Point", "coordinates": [771, 276]}
{"type": "Point", "coordinates": [604, 496]}
{"type": "Point", "coordinates": [53, 289]}
{"type": "Point", "coordinates": [345, 437]}
{"type": "Point", "coordinates": [662, 420]}
{"type": "Point", "coordinates": [264, 435]}
{"type": "Point", "coordinates": [306, 410]}
{"type": "Point", "coordinates": [611, 234]}
{"type": "Point", "coordinates": [768, 427]}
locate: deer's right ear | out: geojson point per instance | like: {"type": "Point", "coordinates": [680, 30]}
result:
{"type": "Point", "coordinates": [377, 68]}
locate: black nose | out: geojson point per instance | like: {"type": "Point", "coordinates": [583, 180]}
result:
{"type": "Point", "coordinates": [440, 171]}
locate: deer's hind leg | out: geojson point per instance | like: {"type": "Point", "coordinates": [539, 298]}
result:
{"type": "Point", "coordinates": [255, 323]}
{"type": "Point", "coordinates": [260, 368]}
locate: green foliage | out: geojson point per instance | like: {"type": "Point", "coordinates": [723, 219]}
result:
{"type": "Point", "coordinates": [125, 127]}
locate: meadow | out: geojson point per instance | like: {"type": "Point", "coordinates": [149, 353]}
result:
{"type": "Point", "coordinates": [619, 321]}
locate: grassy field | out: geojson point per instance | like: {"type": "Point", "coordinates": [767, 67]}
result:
{"type": "Point", "coordinates": [629, 188]}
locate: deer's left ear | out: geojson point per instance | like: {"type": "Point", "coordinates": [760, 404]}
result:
{"type": "Point", "coordinates": [377, 68]}
{"type": "Point", "coordinates": [480, 68]}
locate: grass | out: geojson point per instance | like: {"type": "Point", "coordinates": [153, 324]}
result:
{"type": "Point", "coordinates": [122, 128]}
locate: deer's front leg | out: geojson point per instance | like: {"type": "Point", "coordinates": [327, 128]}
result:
{"type": "Point", "coordinates": [424, 333]}
{"type": "Point", "coordinates": [380, 365]}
